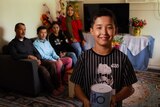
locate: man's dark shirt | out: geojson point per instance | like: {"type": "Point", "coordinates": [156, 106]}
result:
{"type": "Point", "coordinates": [21, 49]}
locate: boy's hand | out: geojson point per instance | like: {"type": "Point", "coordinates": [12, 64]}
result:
{"type": "Point", "coordinates": [32, 57]}
{"type": "Point", "coordinates": [113, 101]}
{"type": "Point", "coordinates": [86, 103]}
{"type": "Point", "coordinates": [83, 42]}
{"type": "Point", "coordinates": [59, 61]}
{"type": "Point", "coordinates": [39, 62]}
{"type": "Point", "coordinates": [73, 40]}
{"type": "Point", "coordinates": [62, 54]}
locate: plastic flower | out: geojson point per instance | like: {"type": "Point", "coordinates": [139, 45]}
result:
{"type": "Point", "coordinates": [117, 40]}
{"type": "Point", "coordinates": [46, 17]}
{"type": "Point", "coordinates": [137, 23]}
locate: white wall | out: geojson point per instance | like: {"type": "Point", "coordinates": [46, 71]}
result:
{"type": "Point", "coordinates": [26, 11]}
{"type": "Point", "coordinates": [29, 12]}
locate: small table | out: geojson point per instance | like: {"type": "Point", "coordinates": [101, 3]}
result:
{"type": "Point", "coordinates": [138, 49]}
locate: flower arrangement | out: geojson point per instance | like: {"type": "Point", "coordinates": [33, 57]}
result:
{"type": "Point", "coordinates": [46, 17]}
{"type": "Point", "coordinates": [117, 41]}
{"type": "Point", "coordinates": [61, 11]}
{"type": "Point", "coordinates": [137, 23]}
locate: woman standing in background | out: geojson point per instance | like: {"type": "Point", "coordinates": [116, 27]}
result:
{"type": "Point", "coordinates": [72, 28]}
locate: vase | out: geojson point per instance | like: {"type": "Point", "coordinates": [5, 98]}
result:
{"type": "Point", "coordinates": [137, 31]}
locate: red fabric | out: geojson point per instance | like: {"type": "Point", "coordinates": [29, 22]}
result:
{"type": "Point", "coordinates": [63, 24]}
{"type": "Point", "coordinates": [76, 25]}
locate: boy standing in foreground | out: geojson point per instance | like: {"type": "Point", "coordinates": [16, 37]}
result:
{"type": "Point", "coordinates": [120, 74]}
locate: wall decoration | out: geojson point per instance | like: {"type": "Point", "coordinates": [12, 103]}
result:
{"type": "Point", "coordinates": [46, 17]}
{"type": "Point", "coordinates": [60, 9]}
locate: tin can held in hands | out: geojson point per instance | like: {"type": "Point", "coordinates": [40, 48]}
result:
{"type": "Point", "coordinates": [100, 95]}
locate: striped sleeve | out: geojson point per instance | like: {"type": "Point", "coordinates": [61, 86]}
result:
{"type": "Point", "coordinates": [78, 72]}
{"type": "Point", "coordinates": [129, 76]}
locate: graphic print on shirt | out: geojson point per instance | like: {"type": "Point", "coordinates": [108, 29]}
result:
{"type": "Point", "coordinates": [57, 41]}
{"type": "Point", "coordinates": [104, 74]}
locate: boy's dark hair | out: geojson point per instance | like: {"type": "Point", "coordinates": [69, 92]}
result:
{"type": "Point", "coordinates": [41, 28]}
{"type": "Point", "coordinates": [55, 22]}
{"type": "Point", "coordinates": [17, 25]}
{"type": "Point", "coordinates": [103, 12]}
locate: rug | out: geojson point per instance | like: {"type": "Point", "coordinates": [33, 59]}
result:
{"type": "Point", "coordinates": [147, 91]}
{"type": "Point", "coordinates": [147, 94]}
{"type": "Point", "coordinates": [12, 99]}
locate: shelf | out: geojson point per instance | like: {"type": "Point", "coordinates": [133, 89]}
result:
{"type": "Point", "coordinates": [140, 1]}
{"type": "Point", "coordinates": [74, 0]}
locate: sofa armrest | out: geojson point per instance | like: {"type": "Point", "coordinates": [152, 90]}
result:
{"type": "Point", "coordinates": [19, 75]}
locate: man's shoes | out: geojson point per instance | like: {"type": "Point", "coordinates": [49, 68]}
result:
{"type": "Point", "coordinates": [56, 93]}
{"type": "Point", "coordinates": [61, 88]}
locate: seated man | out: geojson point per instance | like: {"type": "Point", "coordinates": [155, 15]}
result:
{"type": "Point", "coordinates": [22, 48]}
{"type": "Point", "coordinates": [49, 54]}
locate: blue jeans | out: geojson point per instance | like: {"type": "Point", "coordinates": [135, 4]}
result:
{"type": "Point", "coordinates": [73, 56]}
{"type": "Point", "coordinates": [77, 47]}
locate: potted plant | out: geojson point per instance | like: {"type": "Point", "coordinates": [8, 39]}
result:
{"type": "Point", "coordinates": [136, 25]}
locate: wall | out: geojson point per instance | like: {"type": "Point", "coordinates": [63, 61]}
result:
{"type": "Point", "coordinates": [29, 12]}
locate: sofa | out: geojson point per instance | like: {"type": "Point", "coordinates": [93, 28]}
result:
{"type": "Point", "coordinates": [19, 75]}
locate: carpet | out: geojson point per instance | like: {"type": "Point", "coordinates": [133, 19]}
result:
{"type": "Point", "coordinates": [12, 99]}
{"type": "Point", "coordinates": [147, 91]}
{"type": "Point", "coordinates": [147, 94]}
